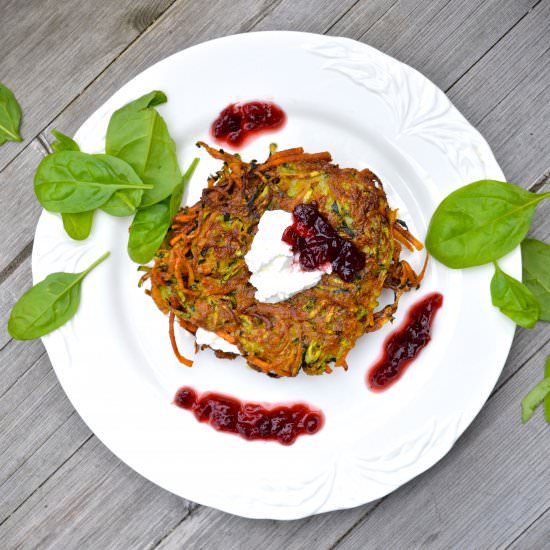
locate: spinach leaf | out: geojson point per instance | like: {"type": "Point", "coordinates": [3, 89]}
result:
{"type": "Point", "coordinates": [534, 398]}
{"type": "Point", "coordinates": [148, 231]}
{"type": "Point", "coordinates": [480, 223]}
{"type": "Point", "coordinates": [125, 201]}
{"type": "Point", "coordinates": [10, 116]}
{"type": "Point", "coordinates": [78, 226]}
{"type": "Point", "coordinates": [47, 305]}
{"type": "Point", "coordinates": [151, 223]}
{"type": "Point", "coordinates": [514, 299]}
{"type": "Point", "coordinates": [138, 135]}
{"type": "Point", "coordinates": [71, 181]}
{"type": "Point", "coordinates": [535, 256]}
{"type": "Point", "coordinates": [63, 142]}
{"type": "Point", "coordinates": [177, 195]}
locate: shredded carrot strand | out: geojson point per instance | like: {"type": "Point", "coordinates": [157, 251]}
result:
{"type": "Point", "coordinates": [226, 337]}
{"type": "Point", "coordinates": [258, 362]}
{"type": "Point", "coordinates": [177, 353]}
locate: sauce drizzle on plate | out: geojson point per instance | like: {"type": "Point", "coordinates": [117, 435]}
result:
{"type": "Point", "coordinates": [238, 123]}
{"type": "Point", "coordinates": [283, 423]}
{"type": "Point", "coordinates": [403, 346]}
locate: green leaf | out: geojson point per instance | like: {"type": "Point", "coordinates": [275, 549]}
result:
{"type": "Point", "coordinates": [78, 226]}
{"type": "Point", "coordinates": [10, 116]}
{"type": "Point", "coordinates": [63, 142]}
{"type": "Point", "coordinates": [514, 299]}
{"type": "Point", "coordinates": [138, 135]}
{"type": "Point", "coordinates": [148, 231]}
{"type": "Point", "coordinates": [47, 305]}
{"type": "Point", "coordinates": [177, 195]}
{"type": "Point", "coordinates": [547, 398]}
{"type": "Point", "coordinates": [535, 256]}
{"type": "Point", "coordinates": [480, 223]}
{"type": "Point", "coordinates": [125, 201]}
{"type": "Point", "coordinates": [534, 398]}
{"type": "Point", "coordinates": [71, 181]}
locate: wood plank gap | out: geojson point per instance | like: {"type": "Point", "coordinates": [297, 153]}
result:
{"type": "Point", "coordinates": [47, 479]}
{"type": "Point", "coordinates": [191, 511]}
{"type": "Point", "coordinates": [519, 84]}
{"type": "Point", "coordinates": [17, 261]}
{"type": "Point", "coordinates": [528, 527]}
{"type": "Point", "coordinates": [17, 155]}
{"type": "Point", "coordinates": [41, 139]}
{"type": "Point", "coordinates": [434, 15]}
{"type": "Point", "coordinates": [347, 11]}
{"type": "Point", "coordinates": [23, 373]}
{"type": "Point", "coordinates": [541, 182]}
{"type": "Point", "coordinates": [249, 25]}
{"type": "Point", "coordinates": [344, 535]}
{"type": "Point", "coordinates": [449, 88]}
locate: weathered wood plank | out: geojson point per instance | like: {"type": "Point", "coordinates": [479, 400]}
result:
{"type": "Point", "coordinates": [93, 501]}
{"type": "Point", "coordinates": [52, 50]}
{"type": "Point", "coordinates": [19, 207]}
{"type": "Point", "coordinates": [492, 485]}
{"type": "Point", "coordinates": [412, 31]}
{"type": "Point", "coordinates": [504, 96]}
{"type": "Point", "coordinates": [536, 535]}
{"type": "Point", "coordinates": [202, 530]}
{"type": "Point", "coordinates": [494, 83]}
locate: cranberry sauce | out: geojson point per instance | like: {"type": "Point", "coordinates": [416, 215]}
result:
{"type": "Point", "coordinates": [250, 420]}
{"type": "Point", "coordinates": [403, 345]}
{"type": "Point", "coordinates": [238, 122]}
{"type": "Point", "coordinates": [317, 243]}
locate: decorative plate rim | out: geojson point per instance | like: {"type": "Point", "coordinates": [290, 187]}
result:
{"type": "Point", "coordinates": [373, 70]}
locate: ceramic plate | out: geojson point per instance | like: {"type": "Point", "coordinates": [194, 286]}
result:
{"type": "Point", "coordinates": [114, 358]}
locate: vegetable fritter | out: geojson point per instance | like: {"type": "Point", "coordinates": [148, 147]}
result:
{"type": "Point", "coordinates": [200, 277]}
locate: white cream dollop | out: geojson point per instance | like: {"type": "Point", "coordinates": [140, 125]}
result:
{"type": "Point", "coordinates": [276, 274]}
{"type": "Point", "coordinates": [207, 338]}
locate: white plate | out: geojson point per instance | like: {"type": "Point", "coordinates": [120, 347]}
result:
{"type": "Point", "coordinates": [114, 358]}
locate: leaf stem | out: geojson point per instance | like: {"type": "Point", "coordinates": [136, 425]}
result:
{"type": "Point", "coordinates": [189, 172]}
{"type": "Point", "coordinates": [95, 264]}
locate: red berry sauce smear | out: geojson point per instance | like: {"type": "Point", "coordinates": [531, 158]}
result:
{"type": "Point", "coordinates": [238, 123]}
{"type": "Point", "coordinates": [403, 346]}
{"type": "Point", "coordinates": [282, 424]}
{"type": "Point", "coordinates": [317, 243]}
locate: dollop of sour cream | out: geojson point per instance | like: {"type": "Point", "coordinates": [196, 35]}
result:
{"type": "Point", "coordinates": [207, 338]}
{"type": "Point", "coordinates": [275, 272]}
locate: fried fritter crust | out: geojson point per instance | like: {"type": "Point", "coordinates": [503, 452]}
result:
{"type": "Point", "coordinates": [200, 275]}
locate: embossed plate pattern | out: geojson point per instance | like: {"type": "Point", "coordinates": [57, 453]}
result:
{"type": "Point", "coordinates": [114, 358]}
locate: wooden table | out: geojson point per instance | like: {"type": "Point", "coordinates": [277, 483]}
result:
{"type": "Point", "coordinates": [59, 486]}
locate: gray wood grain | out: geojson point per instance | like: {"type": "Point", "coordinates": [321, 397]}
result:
{"type": "Point", "coordinates": [513, 79]}
{"type": "Point", "coordinates": [535, 535]}
{"type": "Point", "coordinates": [482, 494]}
{"type": "Point", "coordinates": [19, 207]}
{"type": "Point", "coordinates": [59, 487]}
{"type": "Point", "coordinates": [441, 39]}
{"type": "Point", "coordinates": [51, 50]}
